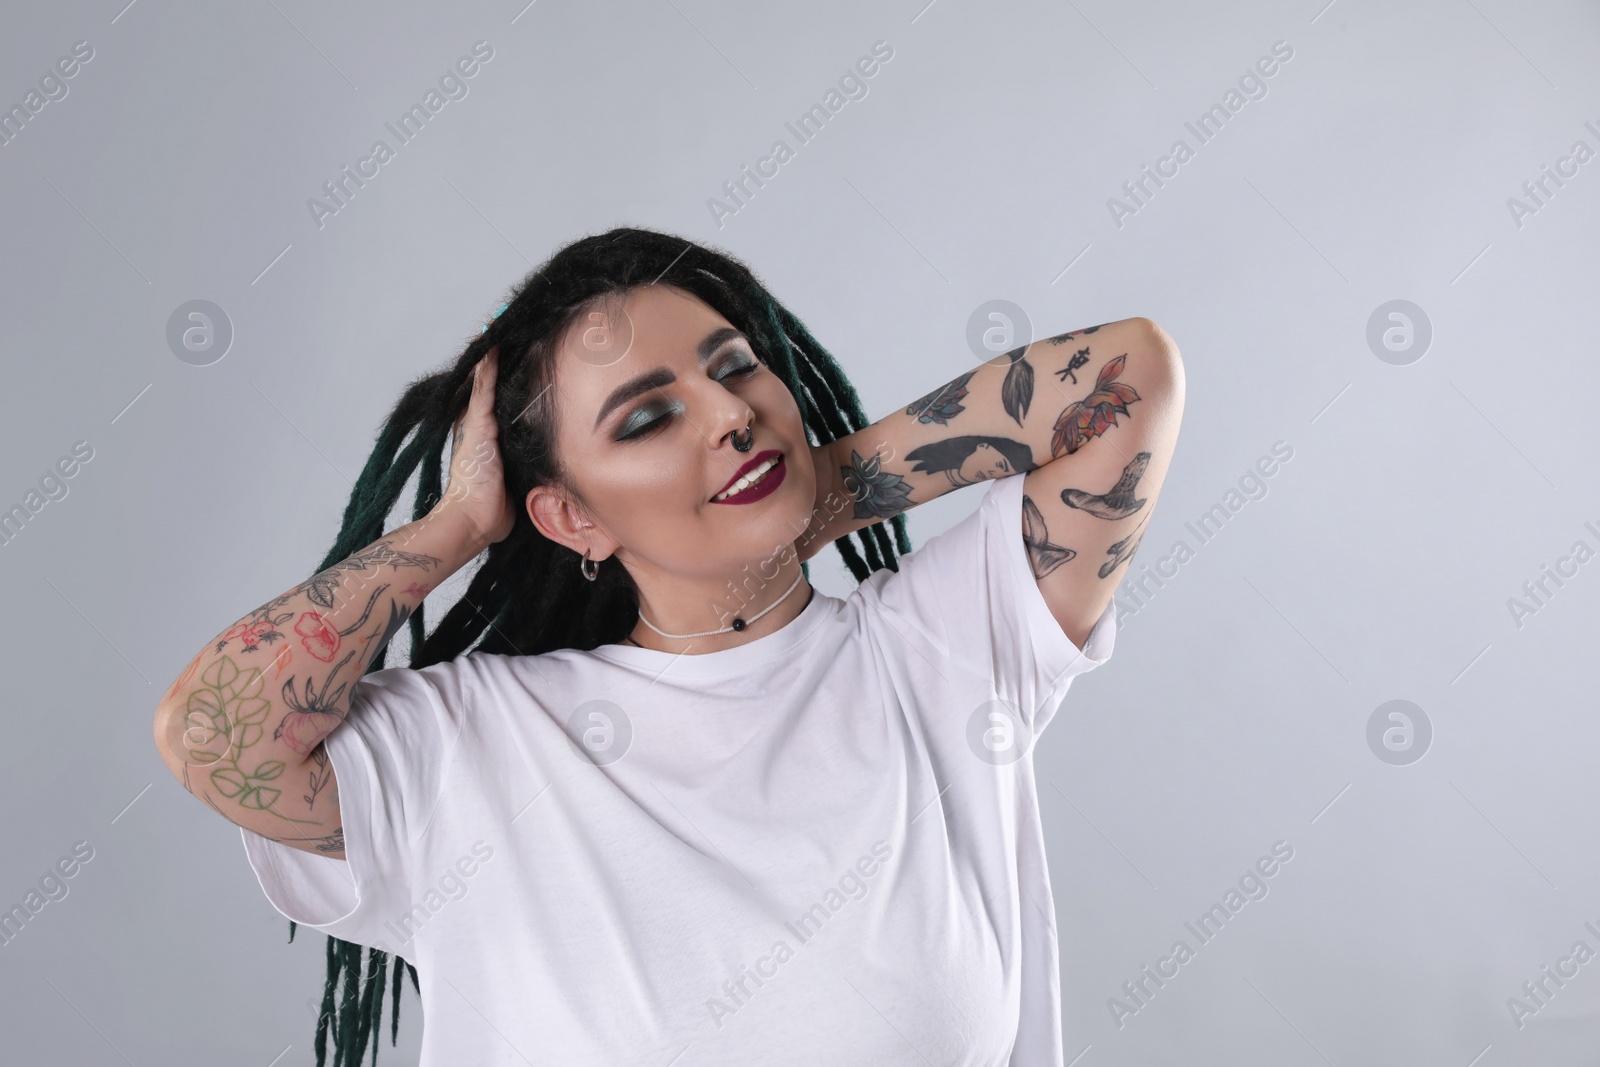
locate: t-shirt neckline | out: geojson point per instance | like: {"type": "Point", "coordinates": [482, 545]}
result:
{"type": "Point", "coordinates": [751, 655]}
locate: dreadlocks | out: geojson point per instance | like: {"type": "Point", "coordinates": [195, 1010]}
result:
{"type": "Point", "coordinates": [527, 598]}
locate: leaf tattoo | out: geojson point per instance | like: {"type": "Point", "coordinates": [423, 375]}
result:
{"type": "Point", "coordinates": [1043, 556]}
{"type": "Point", "coordinates": [223, 720]}
{"type": "Point", "coordinates": [319, 774]}
{"type": "Point", "coordinates": [1118, 502]}
{"type": "Point", "coordinates": [1085, 419]}
{"type": "Point", "coordinates": [320, 588]}
{"type": "Point", "coordinates": [1016, 393]}
{"type": "Point", "coordinates": [943, 404]}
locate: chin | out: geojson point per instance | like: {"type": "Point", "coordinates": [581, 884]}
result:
{"type": "Point", "coordinates": [777, 527]}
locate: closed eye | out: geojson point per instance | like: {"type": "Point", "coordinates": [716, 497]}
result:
{"type": "Point", "coordinates": [647, 428]}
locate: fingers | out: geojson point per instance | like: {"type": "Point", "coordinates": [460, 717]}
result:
{"type": "Point", "coordinates": [481, 403]}
{"type": "Point", "coordinates": [484, 376]}
{"type": "Point", "coordinates": [483, 380]}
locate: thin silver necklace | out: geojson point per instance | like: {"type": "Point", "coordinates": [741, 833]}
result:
{"type": "Point", "coordinates": [738, 623]}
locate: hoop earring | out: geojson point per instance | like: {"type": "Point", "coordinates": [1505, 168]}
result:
{"type": "Point", "coordinates": [591, 569]}
{"type": "Point", "coordinates": [749, 439]}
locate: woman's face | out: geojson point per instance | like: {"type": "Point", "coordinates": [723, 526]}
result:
{"type": "Point", "coordinates": [648, 393]}
{"type": "Point", "coordinates": [983, 463]}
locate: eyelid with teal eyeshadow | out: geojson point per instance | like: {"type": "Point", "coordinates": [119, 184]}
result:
{"type": "Point", "coordinates": [641, 429]}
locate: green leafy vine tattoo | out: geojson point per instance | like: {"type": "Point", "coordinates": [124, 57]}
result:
{"type": "Point", "coordinates": [223, 719]}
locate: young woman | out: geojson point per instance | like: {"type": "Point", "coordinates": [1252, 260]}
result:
{"type": "Point", "coordinates": [644, 796]}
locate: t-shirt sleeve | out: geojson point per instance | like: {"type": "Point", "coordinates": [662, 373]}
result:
{"type": "Point", "coordinates": [390, 757]}
{"type": "Point", "coordinates": [966, 599]}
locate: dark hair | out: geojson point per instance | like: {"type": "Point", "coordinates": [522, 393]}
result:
{"type": "Point", "coordinates": [528, 596]}
{"type": "Point", "coordinates": [950, 453]}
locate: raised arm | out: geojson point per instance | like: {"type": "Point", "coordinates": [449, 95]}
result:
{"type": "Point", "coordinates": [1090, 418]}
{"type": "Point", "coordinates": [243, 726]}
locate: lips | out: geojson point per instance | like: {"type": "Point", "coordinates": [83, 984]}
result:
{"type": "Point", "coordinates": [749, 465]}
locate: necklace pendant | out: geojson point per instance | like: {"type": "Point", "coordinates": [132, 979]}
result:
{"type": "Point", "coordinates": [738, 625]}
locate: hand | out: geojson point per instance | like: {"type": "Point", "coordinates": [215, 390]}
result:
{"type": "Point", "coordinates": [475, 492]}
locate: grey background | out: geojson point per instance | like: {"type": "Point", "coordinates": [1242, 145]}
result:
{"type": "Point", "coordinates": [1377, 566]}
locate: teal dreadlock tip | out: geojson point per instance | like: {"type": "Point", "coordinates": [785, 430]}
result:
{"type": "Point", "coordinates": [496, 314]}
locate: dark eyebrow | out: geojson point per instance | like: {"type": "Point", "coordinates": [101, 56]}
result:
{"type": "Point", "coordinates": [655, 379]}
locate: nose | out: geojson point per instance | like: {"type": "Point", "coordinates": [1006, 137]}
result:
{"type": "Point", "coordinates": [732, 416]}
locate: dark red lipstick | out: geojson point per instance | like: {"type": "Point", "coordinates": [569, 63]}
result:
{"type": "Point", "coordinates": [768, 483]}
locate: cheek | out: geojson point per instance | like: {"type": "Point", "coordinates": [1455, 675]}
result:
{"type": "Point", "coordinates": [638, 495]}
{"type": "Point", "coordinates": [629, 483]}
{"type": "Point", "coordinates": [776, 403]}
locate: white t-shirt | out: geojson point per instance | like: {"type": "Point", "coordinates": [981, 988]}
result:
{"type": "Point", "coordinates": [819, 847]}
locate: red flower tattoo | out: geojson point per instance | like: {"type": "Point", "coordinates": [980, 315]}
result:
{"type": "Point", "coordinates": [319, 637]}
{"type": "Point", "coordinates": [250, 634]}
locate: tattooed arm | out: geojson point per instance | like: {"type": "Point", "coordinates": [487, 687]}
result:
{"type": "Point", "coordinates": [243, 726]}
{"type": "Point", "coordinates": [1090, 418]}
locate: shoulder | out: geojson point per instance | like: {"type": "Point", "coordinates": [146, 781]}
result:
{"type": "Point", "coordinates": [443, 677]}
{"type": "Point", "coordinates": [954, 557]}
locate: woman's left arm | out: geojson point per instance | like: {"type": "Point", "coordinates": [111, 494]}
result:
{"type": "Point", "coordinates": [1090, 417]}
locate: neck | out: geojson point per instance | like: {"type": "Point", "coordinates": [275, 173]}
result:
{"type": "Point", "coordinates": [776, 611]}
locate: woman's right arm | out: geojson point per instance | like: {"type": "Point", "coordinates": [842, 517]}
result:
{"type": "Point", "coordinates": [243, 726]}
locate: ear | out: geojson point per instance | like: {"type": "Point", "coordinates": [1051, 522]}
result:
{"type": "Point", "coordinates": [559, 518]}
